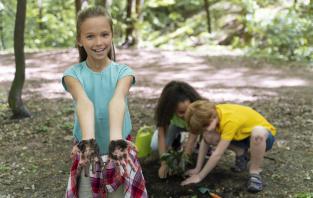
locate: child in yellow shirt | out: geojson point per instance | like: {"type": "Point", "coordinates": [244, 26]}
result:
{"type": "Point", "coordinates": [230, 126]}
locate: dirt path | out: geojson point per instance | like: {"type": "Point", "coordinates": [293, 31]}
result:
{"type": "Point", "coordinates": [34, 152]}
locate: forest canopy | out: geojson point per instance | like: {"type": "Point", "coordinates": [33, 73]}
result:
{"type": "Point", "coordinates": [278, 29]}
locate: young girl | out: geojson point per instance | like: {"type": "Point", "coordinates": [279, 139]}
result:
{"type": "Point", "coordinates": [99, 87]}
{"type": "Point", "coordinates": [232, 126]}
{"type": "Point", "coordinates": [169, 115]}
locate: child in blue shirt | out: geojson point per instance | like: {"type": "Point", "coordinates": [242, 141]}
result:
{"type": "Point", "coordinates": [99, 87]}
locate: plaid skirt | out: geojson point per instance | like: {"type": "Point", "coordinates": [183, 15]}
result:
{"type": "Point", "coordinates": [111, 178]}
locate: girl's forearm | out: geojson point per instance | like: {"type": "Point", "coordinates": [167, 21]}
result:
{"type": "Point", "coordinates": [116, 117]}
{"type": "Point", "coordinates": [85, 114]}
{"type": "Point", "coordinates": [190, 144]}
{"type": "Point", "coordinates": [202, 153]}
{"type": "Point", "coordinates": [215, 157]}
{"type": "Point", "coordinates": [161, 141]}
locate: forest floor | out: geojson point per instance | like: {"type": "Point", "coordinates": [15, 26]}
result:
{"type": "Point", "coordinates": [34, 152]}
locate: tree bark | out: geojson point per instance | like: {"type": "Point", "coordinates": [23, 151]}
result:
{"type": "Point", "coordinates": [15, 94]}
{"type": "Point", "coordinates": [208, 15]}
{"type": "Point", "coordinates": [130, 40]}
{"type": "Point", "coordinates": [40, 24]}
{"type": "Point", "coordinates": [138, 8]}
{"type": "Point", "coordinates": [1, 31]}
{"type": "Point", "coordinates": [295, 2]}
{"type": "Point", "coordinates": [78, 6]}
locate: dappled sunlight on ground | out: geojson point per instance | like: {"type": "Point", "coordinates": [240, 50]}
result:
{"type": "Point", "coordinates": [43, 72]}
{"type": "Point", "coordinates": [239, 83]}
{"type": "Point", "coordinates": [7, 73]}
{"type": "Point", "coordinates": [154, 68]}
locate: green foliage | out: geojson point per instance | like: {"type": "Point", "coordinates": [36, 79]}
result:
{"type": "Point", "coordinates": [56, 28]}
{"type": "Point", "coordinates": [67, 126]}
{"type": "Point", "coordinates": [272, 28]}
{"type": "Point", "coordinates": [304, 195]}
{"type": "Point", "coordinates": [176, 161]}
{"type": "Point", "coordinates": [7, 16]}
{"type": "Point", "coordinates": [4, 168]}
{"type": "Point", "coordinates": [163, 3]}
{"type": "Point", "coordinates": [204, 190]}
{"type": "Point", "coordinates": [174, 24]}
{"type": "Point", "coordinates": [286, 35]}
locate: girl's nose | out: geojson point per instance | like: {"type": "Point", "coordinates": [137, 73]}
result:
{"type": "Point", "coordinates": [99, 40]}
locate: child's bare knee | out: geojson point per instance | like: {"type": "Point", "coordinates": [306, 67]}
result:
{"type": "Point", "coordinates": [259, 134]}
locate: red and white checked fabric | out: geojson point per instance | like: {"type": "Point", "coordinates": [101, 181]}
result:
{"type": "Point", "coordinates": [111, 178]}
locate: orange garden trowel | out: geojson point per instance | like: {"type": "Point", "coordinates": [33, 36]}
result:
{"type": "Point", "coordinates": [205, 190]}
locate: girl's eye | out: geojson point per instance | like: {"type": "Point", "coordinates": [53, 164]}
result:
{"type": "Point", "coordinates": [89, 36]}
{"type": "Point", "coordinates": [105, 34]}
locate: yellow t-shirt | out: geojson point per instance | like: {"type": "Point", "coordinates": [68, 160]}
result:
{"type": "Point", "coordinates": [237, 121]}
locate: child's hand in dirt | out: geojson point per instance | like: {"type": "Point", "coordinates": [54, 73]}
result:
{"type": "Point", "coordinates": [119, 154]}
{"type": "Point", "coordinates": [163, 170]}
{"type": "Point", "coordinates": [89, 155]}
{"type": "Point", "coordinates": [184, 161]}
{"type": "Point", "coordinates": [191, 180]}
{"type": "Point", "coordinates": [192, 172]}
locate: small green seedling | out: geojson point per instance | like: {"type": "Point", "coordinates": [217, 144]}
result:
{"type": "Point", "coordinates": [176, 161]}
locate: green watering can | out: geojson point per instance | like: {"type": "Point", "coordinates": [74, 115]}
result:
{"type": "Point", "coordinates": [143, 141]}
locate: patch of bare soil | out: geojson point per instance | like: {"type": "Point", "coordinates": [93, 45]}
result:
{"type": "Point", "coordinates": [34, 159]}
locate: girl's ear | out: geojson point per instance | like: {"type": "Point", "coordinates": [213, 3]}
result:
{"type": "Point", "coordinates": [79, 43]}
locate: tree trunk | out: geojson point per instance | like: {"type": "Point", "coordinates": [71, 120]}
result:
{"type": "Point", "coordinates": [130, 40]}
{"type": "Point", "coordinates": [138, 7]}
{"type": "Point", "coordinates": [295, 2]}
{"type": "Point", "coordinates": [208, 15]}
{"type": "Point", "coordinates": [40, 24]}
{"type": "Point", "coordinates": [78, 6]}
{"type": "Point", "coordinates": [15, 94]}
{"type": "Point", "coordinates": [1, 31]}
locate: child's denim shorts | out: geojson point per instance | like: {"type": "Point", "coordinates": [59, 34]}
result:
{"type": "Point", "coordinates": [245, 143]}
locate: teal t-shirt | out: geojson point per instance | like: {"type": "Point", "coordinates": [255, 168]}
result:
{"type": "Point", "coordinates": [100, 87]}
{"type": "Point", "coordinates": [179, 122]}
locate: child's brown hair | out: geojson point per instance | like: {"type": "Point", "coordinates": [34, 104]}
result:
{"type": "Point", "coordinates": [173, 93]}
{"type": "Point", "coordinates": [199, 115]}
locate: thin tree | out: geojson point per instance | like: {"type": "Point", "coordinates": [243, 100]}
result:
{"type": "Point", "coordinates": [1, 27]}
{"type": "Point", "coordinates": [208, 15]}
{"type": "Point", "coordinates": [138, 7]}
{"type": "Point", "coordinates": [78, 5]}
{"type": "Point", "coordinates": [295, 2]}
{"type": "Point", "coordinates": [130, 40]}
{"type": "Point", "coordinates": [15, 94]}
{"type": "Point", "coordinates": [40, 24]}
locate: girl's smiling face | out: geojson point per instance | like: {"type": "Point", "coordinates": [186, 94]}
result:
{"type": "Point", "coordinates": [96, 38]}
